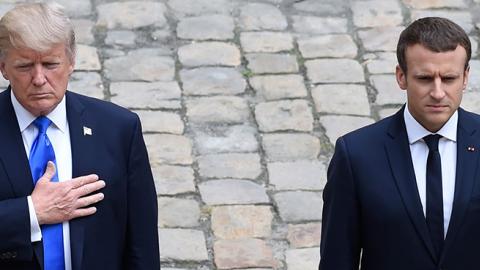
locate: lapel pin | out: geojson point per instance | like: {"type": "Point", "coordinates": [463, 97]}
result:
{"type": "Point", "coordinates": [87, 131]}
{"type": "Point", "coordinates": [471, 149]}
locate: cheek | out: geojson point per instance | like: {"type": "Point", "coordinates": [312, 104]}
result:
{"type": "Point", "coordinates": [456, 91]}
{"type": "Point", "coordinates": [458, 97]}
{"type": "Point", "coordinates": [58, 81]}
{"type": "Point", "coordinates": [415, 94]}
{"type": "Point", "coordinates": [19, 80]}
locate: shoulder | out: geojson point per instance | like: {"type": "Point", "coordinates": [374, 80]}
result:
{"type": "Point", "coordinates": [99, 108]}
{"type": "Point", "coordinates": [372, 132]}
{"type": "Point", "coordinates": [361, 145]}
{"type": "Point", "coordinates": [465, 115]}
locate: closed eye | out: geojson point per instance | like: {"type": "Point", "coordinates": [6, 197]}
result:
{"type": "Point", "coordinates": [51, 65]}
{"type": "Point", "coordinates": [449, 78]}
{"type": "Point", "coordinates": [23, 67]}
{"type": "Point", "coordinates": [424, 78]}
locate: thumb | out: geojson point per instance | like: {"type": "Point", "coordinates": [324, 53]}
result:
{"type": "Point", "coordinates": [49, 172]}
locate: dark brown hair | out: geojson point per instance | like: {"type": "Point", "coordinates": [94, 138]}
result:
{"type": "Point", "coordinates": [436, 34]}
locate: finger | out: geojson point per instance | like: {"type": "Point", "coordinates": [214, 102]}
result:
{"type": "Point", "coordinates": [89, 200]}
{"type": "Point", "coordinates": [83, 180]}
{"type": "Point", "coordinates": [82, 212]}
{"type": "Point", "coordinates": [49, 172]}
{"type": "Point", "coordinates": [89, 188]}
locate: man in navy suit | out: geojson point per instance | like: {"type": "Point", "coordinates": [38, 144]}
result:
{"type": "Point", "coordinates": [404, 193]}
{"type": "Point", "coordinates": [55, 146]}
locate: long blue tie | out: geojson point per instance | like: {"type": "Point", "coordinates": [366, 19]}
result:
{"type": "Point", "coordinates": [434, 209]}
{"type": "Point", "coordinates": [52, 234]}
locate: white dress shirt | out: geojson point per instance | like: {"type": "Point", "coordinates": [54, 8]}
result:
{"type": "Point", "coordinates": [447, 146]}
{"type": "Point", "coordinates": [59, 136]}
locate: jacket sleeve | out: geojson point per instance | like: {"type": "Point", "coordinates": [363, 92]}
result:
{"type": "Point", "coordinates": [340, 239]}
{"type": "Point", "coordinates": [15, 238]}
{"type": "Point", "coordinates": [142, 247]}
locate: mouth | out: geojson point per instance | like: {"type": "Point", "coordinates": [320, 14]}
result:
{"type": "Point", "coordinates": [40, 95]}
{"type": "Point", "coordinates": [437, 107]}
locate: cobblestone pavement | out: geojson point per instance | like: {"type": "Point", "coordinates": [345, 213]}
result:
{"type": "Point", "coordinates": [241, 103]}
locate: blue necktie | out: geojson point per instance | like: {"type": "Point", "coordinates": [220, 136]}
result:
{"type": "Point", "coordinates": [52, 234]}
{"type": "Point", "coordinates": [434, 209]}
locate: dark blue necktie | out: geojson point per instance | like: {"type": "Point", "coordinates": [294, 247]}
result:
{"type": "Point", "coordinates": [434, 209]}
{"type": "Point", "coordinates": [52, 234]}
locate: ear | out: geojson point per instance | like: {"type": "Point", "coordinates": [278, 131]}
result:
{"type": "Point", "coordinates": [4, 71]}
{"type": "Point", "coordinates": [401, 77]}
{"type": "Point", "coordinates": [466, 73]}
{"type": "Point", "coordinates": [71, 67]}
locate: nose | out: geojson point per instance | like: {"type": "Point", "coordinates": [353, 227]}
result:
{"type": "Point", "coordinates": [437, 91]}
{"type": "Point", "coordinates": [38, 76]}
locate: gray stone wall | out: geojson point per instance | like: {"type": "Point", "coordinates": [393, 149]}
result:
{"type": "Point", "coordinates": [241, 103]}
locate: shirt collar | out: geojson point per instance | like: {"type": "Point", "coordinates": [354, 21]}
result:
{"type": "Point", "coordinates": [58, 116]}
{"type": "Point", "coordinates": [416, 131]}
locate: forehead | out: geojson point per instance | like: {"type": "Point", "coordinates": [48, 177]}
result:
{"type": "Point", "coordinates": [419, 56]}
{"type": "Point", "coordinates": [16, 54]}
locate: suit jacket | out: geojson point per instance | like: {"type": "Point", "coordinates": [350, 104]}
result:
{"type": "Point", "coordinates": [122, 234]}
{"type": "Point", "coordinates": [372, 211]}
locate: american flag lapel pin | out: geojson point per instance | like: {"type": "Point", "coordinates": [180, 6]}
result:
{"type": "Point", "coordinates": [87, 131]}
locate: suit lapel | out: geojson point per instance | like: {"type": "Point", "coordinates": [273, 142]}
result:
{"type": "Point", "coordinates": [398, 152]}
{"type": "Point", "coordinates": [467, 161]}
{"type": "Point", "coordinates": [81, 149]}
{"type": "Point", "coordinates": [14, 157]}
{"type": "Point", "coordinates": [12, 152]}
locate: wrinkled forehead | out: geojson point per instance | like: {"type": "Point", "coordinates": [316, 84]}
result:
{"type": "Point", "coordinates": [418, 54]}
{"type": "Point", "coordinates": [56, 51]}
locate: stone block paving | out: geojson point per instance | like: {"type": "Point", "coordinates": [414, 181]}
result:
{"type": "Point", "coordinates": [241, 103]}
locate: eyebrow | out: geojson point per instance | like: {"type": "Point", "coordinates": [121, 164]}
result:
{"type": "Point", "coordinates": [448, 73]}
{"type": "Point", "coordinates": [22, 62]}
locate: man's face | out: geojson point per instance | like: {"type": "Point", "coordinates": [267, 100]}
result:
{"type": "Point", "coordinates": [38, 80]}
{"type": "Point", "coordinates": [434, 83]}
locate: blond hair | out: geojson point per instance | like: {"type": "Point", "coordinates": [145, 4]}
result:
{"type": "Point", "coordinates": [36, 26]}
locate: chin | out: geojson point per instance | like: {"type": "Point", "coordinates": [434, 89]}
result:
{"type": "Point", "coordinates": [440, 121]}
{"type": "Point", "coordinates": [42, 109]}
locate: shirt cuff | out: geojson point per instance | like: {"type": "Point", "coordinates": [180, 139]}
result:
{"type": "Point", "coordinates": [35, 232]}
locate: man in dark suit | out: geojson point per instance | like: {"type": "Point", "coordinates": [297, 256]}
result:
{"type": "Point", "coordinates": [404, 193]}
{"type": "Point", "coordinates": [55, 145]}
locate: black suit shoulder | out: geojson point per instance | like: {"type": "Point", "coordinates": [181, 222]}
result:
{"type": "Point", "coordinates": [373, 133]}
{"type": "Point", "coordinates": [469, 116]}
{"type": "Point", "coordinates": [113, 124]}
{"type": "Point", "coordinates": [100, 107]}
